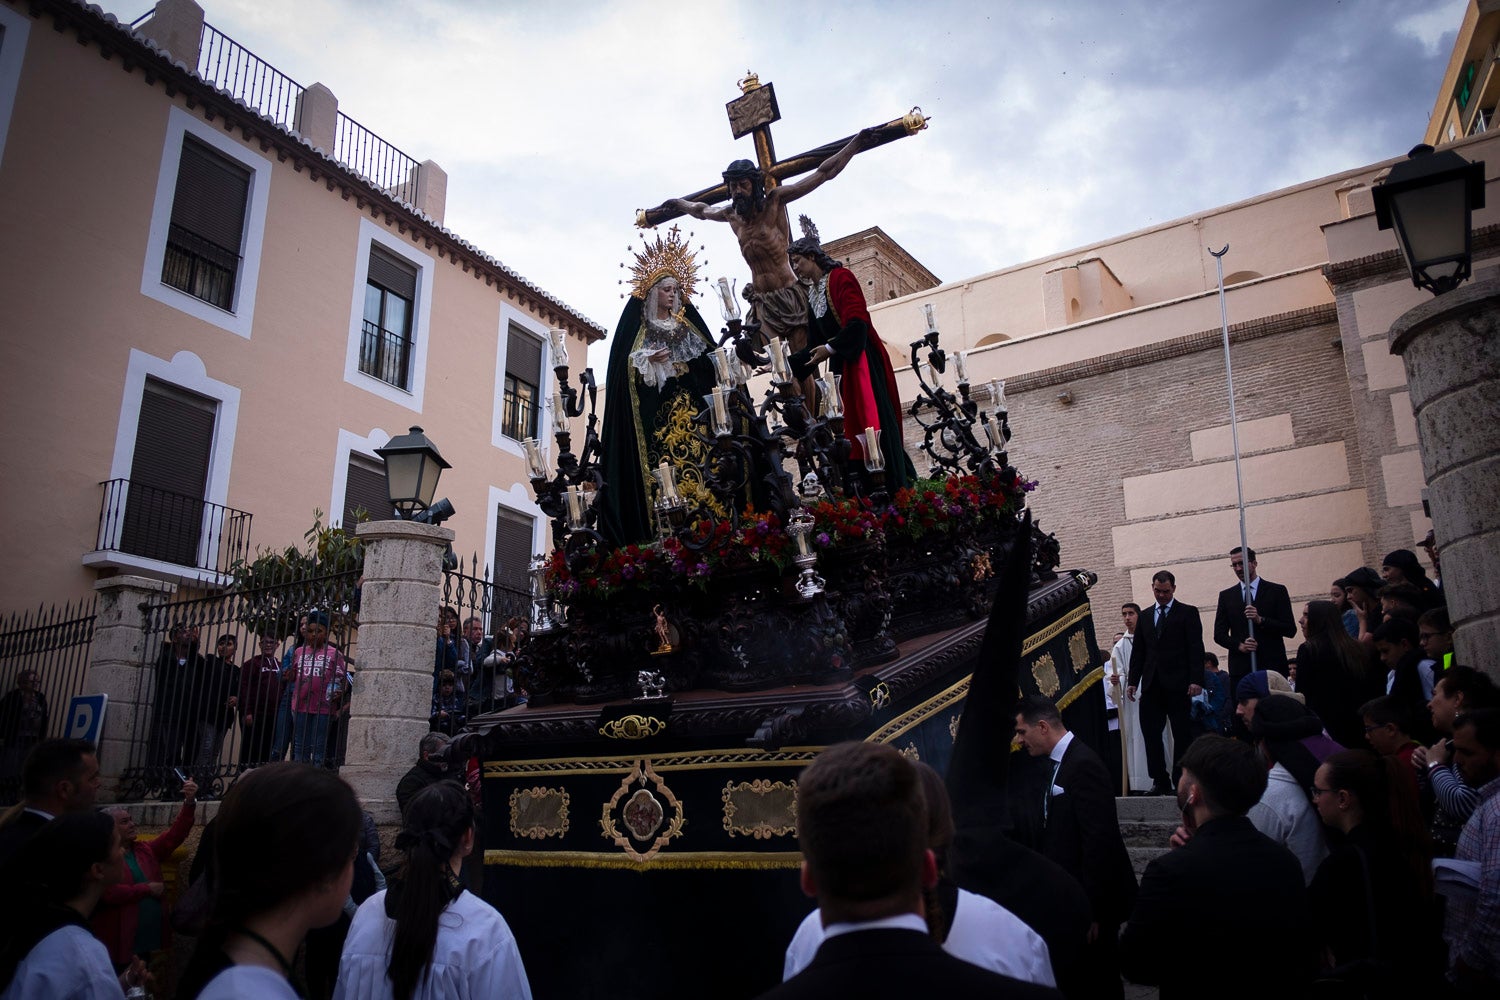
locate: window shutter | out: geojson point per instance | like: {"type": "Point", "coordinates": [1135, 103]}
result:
{"type": "Point", "coordinates": [168, 474]}
{"type": "Point", "coordinates": [392, 273]}
{"type": "Point", "coordinates": [523, 357]}
{"type": "Point", "coordinates": [211, 194]}
{"type": "Point", "coordinates": [365, 489]}
{"type": "Point", "coordinates": [512, 550]}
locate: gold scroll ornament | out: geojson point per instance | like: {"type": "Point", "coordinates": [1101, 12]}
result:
{"type": "Point", "coordinates": [761, 809]}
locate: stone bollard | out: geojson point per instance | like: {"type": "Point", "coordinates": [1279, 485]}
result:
{"type": "Point", "coordinates": [1451, 347]}
{"type": "Point", "coordinates": [118, 668]}
{"type": "Point", "coordinates": [392, 701]}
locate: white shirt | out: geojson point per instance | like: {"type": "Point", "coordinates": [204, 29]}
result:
{"type": "Point", "coordinates": [248, 982]}
{"type": "Point", "coordinates": [475, 956]}
{"type": "Point", "coordinates": [68, 964]}
{"type": "Point", "coordinates": [984, 933]}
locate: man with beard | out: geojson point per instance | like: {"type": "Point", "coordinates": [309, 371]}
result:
{"type": "Point", "coordinates": [759, 220]}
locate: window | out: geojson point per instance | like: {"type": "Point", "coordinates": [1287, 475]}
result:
{"type": "Point", "coordinates": [523, 377]}
{"type": "Point", "coordinates": [511, 568]}
{"type": "Point", "coordinates": [208, 225]}
{"type": "Point", "coordinates": [365, 490]}
{"type": "Point", "coordinates": [385, 345]}
{"type": "Point", "coordinates": [14, 29]}
{"type": "Point", "coordinates": [164, 506]}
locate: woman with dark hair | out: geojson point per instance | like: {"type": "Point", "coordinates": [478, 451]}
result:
{"type": "Point", "coordinates": [1401, 566]}
{"type": "Point", "coordinates": [969, 926]}
{"type": "Point", "coordinates": [425, 937]}
{"type": "Point", "coordinates": [1340, 598]}
{"type": "Point", "coordinates": [1335, 673]}
{"type": "Point", "coordinates": [55, 882]}
{"type": "Point", "coordinates": [283, 861]}
{"type": "Point", "coordinates": [1372, 897]}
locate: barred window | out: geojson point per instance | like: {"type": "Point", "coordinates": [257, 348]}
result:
{"type": "Point", "coordinates": [207, 229]}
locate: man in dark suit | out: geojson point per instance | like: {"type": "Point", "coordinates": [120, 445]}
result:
{"type": "Point", "coordinates": [1269, 610]}
{"type": "Point", "coordinates": [60, 776]}
{"type": "Point", "coordinates": [1081, 832]}
{"type": "Point", "coordinates": [1166, 665]}
{"type": "Point", "coordinates": [862, 827]}
{"type": "Point", "coordinates": [1226, 875]}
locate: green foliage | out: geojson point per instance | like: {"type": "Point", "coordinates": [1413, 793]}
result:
{"type": "Point", "coordinates": [277, 586]}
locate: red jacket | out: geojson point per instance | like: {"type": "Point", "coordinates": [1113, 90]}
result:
{"type": "Point", "coordinates": [115, 918]}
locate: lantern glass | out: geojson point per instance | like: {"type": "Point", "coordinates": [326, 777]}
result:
{"type": "Point", "coordinates": [412, 468]}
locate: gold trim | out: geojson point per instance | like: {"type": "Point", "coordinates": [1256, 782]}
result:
{"type": "Point", "coordinates": [761, 791]}
{"type": "Point", "coordinates": [880, 696]}
{"type": "Point", "coordinates": [685, 860]}
{"type": "Point", "coordinates": [539, 825]}
{"type": "Point", "coordinates": [632, 727]}
{"type": "Point", "coordinates": [644, 774]}
{"type": "Point", "coordinates": [1078, 652]}
{"type": "Point", "coordinates": [1083, 684]}
{"type": "Point", "coordinates": [920, 714]}
{"type": "Point", "coordinates": [676, 760]}
{"type": "Point", "coordinates": [1057, 628]}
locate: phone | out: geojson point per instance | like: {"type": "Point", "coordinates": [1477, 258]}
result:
{"type": "Point", "coordinates": [180, 776]}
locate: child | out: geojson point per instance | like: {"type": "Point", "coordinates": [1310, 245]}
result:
{"type": "Point", "coordinates": [447, 705]}
{"type": "Point", "coordinates": [319, 677]}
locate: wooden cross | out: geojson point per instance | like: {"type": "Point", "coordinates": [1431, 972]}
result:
{"type": "Point", "coordinates": [752, 113]}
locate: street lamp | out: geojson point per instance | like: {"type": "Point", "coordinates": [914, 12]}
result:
{"type": "Point", "coordinates": [412, 468]}
{"type": "Point", "coordinates": [1429, 200]}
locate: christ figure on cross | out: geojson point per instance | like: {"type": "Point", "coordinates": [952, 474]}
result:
{"type": "Point", "coordinates": [758, 218]}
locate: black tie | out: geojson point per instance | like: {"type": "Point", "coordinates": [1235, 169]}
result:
{"type": "Point", "coordinates": [1161, 616]}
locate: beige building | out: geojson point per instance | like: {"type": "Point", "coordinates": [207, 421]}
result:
{"type": "Point", "coordinates": [223, 294]}
{"type": "Point", "coordinates": [1114, 370]}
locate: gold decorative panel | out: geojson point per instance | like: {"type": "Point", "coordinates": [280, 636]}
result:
{"type": "Point", "coordinates": [644, 804]}
{"type": "Point", "coordinates": [1078, 652]}
{"type": "Point", "coordinates": [761, 809]}
{"type": "Point", "coordinates": [536, 813]}
{"type": "Point", "coordinates": [1044, 672]}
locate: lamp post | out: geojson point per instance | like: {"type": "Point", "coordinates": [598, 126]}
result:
{"type": "Point", "coordinates": [1429, 199]}
{"type": "Point", "coordinates": [412, 468]}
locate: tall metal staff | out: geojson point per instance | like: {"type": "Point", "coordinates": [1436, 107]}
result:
{"type": "Point", "coordinates": [1234, 436]}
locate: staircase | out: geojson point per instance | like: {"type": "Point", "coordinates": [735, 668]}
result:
{"type": "Point", "coordinates": [1146, 824]}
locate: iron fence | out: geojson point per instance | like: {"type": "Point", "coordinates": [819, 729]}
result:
{"type": "Point", "coordinates": [387, 167]}
{"type": "Point", "coordinates": [385, 354]}
{"type": "Point", "coordinates": [43, 657]}
{"type": "Point", "coordinates": [236, 679]}
{"type": "Point", "coordinates": [487, 620]}
{"type": "Point", "coordinates": [231, 67]}
{"type": "Point", "coordinates": [152, 523]}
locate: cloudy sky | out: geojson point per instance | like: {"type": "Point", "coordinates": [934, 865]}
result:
{"type": "Point", "coordinates": [1055, 123]}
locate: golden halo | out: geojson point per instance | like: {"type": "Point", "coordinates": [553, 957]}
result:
{"type": "Point", "coordinates": [670, 256]}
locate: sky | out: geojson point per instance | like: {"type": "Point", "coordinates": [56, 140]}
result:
{"type": "Point", "coordinates": [1054, 124]}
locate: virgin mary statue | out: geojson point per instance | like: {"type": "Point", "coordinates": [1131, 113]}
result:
{"type": "Point", "coordinates": [659, 371]}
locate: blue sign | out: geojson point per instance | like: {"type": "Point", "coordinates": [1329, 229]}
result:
{"type": "Point", "coordinates": [86, 717]}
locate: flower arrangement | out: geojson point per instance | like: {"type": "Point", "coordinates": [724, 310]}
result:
{"type": "Point", "coordinates": [945, 506]}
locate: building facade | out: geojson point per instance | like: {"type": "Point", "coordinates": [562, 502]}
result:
{"type": "Point", "coordinates": [1114, 371]}
{"type": "Point", "coordinates": [223, 297]}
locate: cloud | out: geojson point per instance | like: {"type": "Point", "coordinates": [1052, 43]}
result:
{"type": "Point", "coordinates": [1053, 125]}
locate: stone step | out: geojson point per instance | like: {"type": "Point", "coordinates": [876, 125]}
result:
{"type": "Point", "coordinates": [1148, 809]}
{"type": "Point", "coordinates": [1140, 857]}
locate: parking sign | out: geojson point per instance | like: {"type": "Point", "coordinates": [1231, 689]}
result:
{"type": "Point", "coordinates": [86, 717]}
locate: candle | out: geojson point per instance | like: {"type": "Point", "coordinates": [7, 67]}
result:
{"type": "Point", "coordinates": [559, 340]}
{"type": "Point", "coordinates": [727, 304]}
{"type": "Point", "coordinates": [776, 347]}
{"type": "Point", "coordinates": [874, 461]}
{"type": "Point", "coordinates": [575, 507]}
{"type": "Point", "coordinates": [931, 376]}
{"type": "Point", "coordinates": [721, 415]}
{"type": "Point", "coordinates": [834, 401]}
{"type": "Point", "coordinates": [723, 365]}
{"type": "Point", "coordinates": [931, 318]}
{"type": "Point", "coordinates": [997, 395]}
{"type": "Point", "coordinates": [534, 459]}
{"type": "Point", "coordinates": [666, 475]}
{"type": "Point", "coordinates": [961, 366]}
{"type": "Point", "coordinates": [559, 413]}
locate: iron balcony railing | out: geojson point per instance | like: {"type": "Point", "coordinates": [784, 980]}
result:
{"type": "Point", "coordinates": [385, 354]}
{"type": "Point", "coordinates": [230, 66]}
{"type": "Point", "coordinates": [140, 520]}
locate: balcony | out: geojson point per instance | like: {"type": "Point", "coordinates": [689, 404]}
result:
{"type": "Point", "coordinates": [159, 533]}
{"type": "Point", "coordinates": [385, 354]}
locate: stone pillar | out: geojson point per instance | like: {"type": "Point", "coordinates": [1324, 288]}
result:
{"type": "Point", "coordinates": [116, 667]}
{"type": "Point", "coordinates": [177, 26]}
{"type": "Point", "coordinates": [398, 610]}
{"type": "Point", "coordinates": [317, 117]}
{"type": "Point", "coordinates": [432, 191]}
{"type": "Point", "coordinates": [1451, 348]}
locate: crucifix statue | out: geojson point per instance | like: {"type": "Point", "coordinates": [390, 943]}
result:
{"type": "Point", "coordinates": [758, 195]}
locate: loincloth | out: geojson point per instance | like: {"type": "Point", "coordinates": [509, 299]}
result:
{"type": "Point", "coordinates": [783, 313]}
